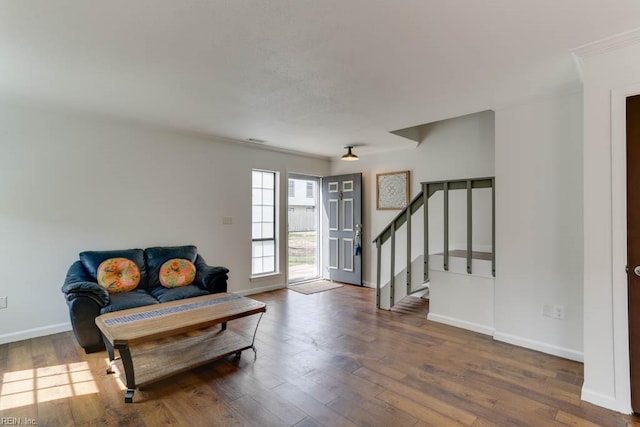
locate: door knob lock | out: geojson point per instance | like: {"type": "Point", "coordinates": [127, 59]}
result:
{"type": "Point", "coordinates": [636, 270]}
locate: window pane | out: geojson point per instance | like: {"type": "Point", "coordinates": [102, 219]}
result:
{"type": "Point", "coordinates": [256, 230]}
{"type": "Point", "coordinates": [268, 179]}
{"type": "Point", "coordinates": [267, 213]}
{"type": "Point", "coordinates": [292, 188]}
{"type": "Point", "coordinates": [269, 264]}
{"type": "Point", "coordinates": [257, 266]}
{"type": "Point", "coordinates": [268, 248]}
{"type": "Point", "coordinates": [256, 213]}
{"type": "Point", "coordinates": [256, 179]}
{"type": "Point", "coordinates": [257, 249]}
{"type": "Point", "coordinates": [256, 196]}
{"type": "Point", "coordinates": [267, 197]}
{"type": "Point", "coordinates": [267, 230]}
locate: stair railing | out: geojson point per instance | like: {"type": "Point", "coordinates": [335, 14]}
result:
{"type": "Point", "coordinates": [405, 216]}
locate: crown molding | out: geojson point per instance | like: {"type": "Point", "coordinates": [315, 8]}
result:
{"type": "Point", "coordinates": [608, 44]}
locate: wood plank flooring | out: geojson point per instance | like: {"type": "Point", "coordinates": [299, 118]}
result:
{"type": "Point", "coordinates": [327, 359]}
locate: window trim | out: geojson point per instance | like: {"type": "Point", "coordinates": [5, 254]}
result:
{"type": "Point", "coordinates": [274, 223]}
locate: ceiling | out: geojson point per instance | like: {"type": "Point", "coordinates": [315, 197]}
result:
{"type": "Point", "coordinates": [303, 75]}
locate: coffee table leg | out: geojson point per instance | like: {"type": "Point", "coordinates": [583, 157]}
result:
{"type": "Point", "coordinates": [255, 331]}
{"type": "Point", "coordinates": [127, 363]}
{"type": "Point", "coordinates": [112, 356]}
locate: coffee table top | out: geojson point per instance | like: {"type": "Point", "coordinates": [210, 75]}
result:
{"type": "Point", "coordinates": [156, 321]}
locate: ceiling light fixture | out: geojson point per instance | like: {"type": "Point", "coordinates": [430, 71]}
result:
{"type": "Point", "coordinates": [349, 156]}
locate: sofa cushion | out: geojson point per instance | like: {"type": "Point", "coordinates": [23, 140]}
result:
{"type": "Point", "coordinates": [118, 275]}
{"type": "Point", "coordinates": [163, 294]}
{"type": "Point", "coordinates": [91, 260]}
{"type": "Point", "coordinates": [159, 255]}
{"type": "Point", "coordinates": [132, 299]}
{"type": "Point", "coordinates": [177, 272]}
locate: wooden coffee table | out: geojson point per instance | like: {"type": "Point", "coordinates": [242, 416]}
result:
{"type": "Point", "coordinates": [160, 340]}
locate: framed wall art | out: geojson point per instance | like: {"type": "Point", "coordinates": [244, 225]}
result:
{"type": "Point", "coordinates": [392, 190]}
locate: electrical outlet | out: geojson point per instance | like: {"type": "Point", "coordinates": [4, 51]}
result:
{"type": "Point", "coordinates": [227, 220]}
{"type": "Point", "coordinates": [3, 302]}
{"type": "Point", "coordinates": [558, 312]}
{"type": "Point", "coordinates": [547, 310]}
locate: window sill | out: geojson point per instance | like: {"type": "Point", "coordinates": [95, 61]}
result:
{"type": "Point", "coordinates": [260, 277]}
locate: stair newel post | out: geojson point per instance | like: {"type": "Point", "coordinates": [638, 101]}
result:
{"type": "Point", "coordinates": [445, 188]}
{"type": "Point", "coordinates": [378, 271]}
{"type": "Point", "coordinates": [392, 282]}
{"type": "Point", "coordinates": [469, 226]}
{"type": "Point", "coordinates": [493, 227]}
{"type": "Point", "coordinates": [425, 212]}
{"type": "Point", "coordinates": [409, 249]}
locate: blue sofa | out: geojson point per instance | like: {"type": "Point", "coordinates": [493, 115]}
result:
{"type": "Point", "coordinates": [87, 300]}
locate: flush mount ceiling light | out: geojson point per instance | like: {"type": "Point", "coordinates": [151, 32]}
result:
{"type": "Point", "coordinates": [349, 156]}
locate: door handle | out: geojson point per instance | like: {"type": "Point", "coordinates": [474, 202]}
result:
{"type": "Point", "coordinates": [636, 270]}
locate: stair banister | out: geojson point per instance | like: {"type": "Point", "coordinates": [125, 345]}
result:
{"type": "Point", "coordinates": [409, 250]}
{"type": "Point", "coordinates": [378, 272]}
{"type": "Point", "coordinates": [392, 289]}
{"type": "Point", "coordinates": [493, 227]}
{"type": "Point", "coordinates": [445, 189]}
{"type": "Point", "coordinates": [399, 219]}
{"type": "Point", "coordinates": [425, 215]}
{"type": "Point", "coordinates": [404, 216]}
{"type": "Point", "coordinates": [469, 227]}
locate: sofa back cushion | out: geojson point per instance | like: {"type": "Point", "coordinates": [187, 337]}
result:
{"type": "Point", "coordinates": [159, 255]}
{"type": "Point", "coordinates": [91, 260]}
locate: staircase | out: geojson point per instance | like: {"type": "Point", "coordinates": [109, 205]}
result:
{"type": "Point", "coordinates": [409, 280]}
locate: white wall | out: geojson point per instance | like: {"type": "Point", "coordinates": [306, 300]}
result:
{"type": "Point", "coordinates": [539, 224]}
{"type": "Point", "coordinates": [462, 300]}
{"type": "Point", "coordinates": [455, 148]}
{"type": "Point", "coordinates": [70, 183]}
{"type": "Point", "coordinates": [611, 72]}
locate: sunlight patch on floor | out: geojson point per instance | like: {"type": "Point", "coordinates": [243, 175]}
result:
{"type": "Point", "coordinates": [22, 388]}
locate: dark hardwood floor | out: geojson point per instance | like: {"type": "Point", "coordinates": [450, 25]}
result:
{"type": "Point", "coordinates": [324, 359]}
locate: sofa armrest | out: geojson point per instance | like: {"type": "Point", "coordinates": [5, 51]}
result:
{"type": "Point", "coordinates": [86, 289]}
{"type": "Point", "coordinates": [209, 278]}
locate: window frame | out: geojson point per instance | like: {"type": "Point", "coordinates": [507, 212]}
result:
{"type": "Point", "coordinates": [274, 221]}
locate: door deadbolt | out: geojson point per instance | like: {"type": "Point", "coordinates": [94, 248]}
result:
{"type": "Point", "coordinates": [636, 270]}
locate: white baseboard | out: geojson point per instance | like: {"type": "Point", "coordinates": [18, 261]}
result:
{"type": "Point", "coordinates": [368, 284]}
{"type": "Point", "coordinates": [246, 292]}
{"type": "Point", "coordinates": [605, 401]}
{"type": "Point", "coordinates": [475, 327]}
{"type": "Point", "coordinates": [35, 332]}
{"type": "Point", "coordinates": [540, 346]}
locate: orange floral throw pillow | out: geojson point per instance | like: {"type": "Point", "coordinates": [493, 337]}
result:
{"type": "Point", "coordinates": [177, 272]}
{"type": "Point", "coordinates": [118, 275]}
